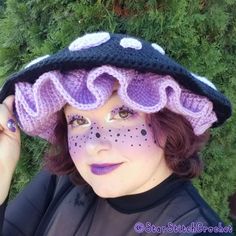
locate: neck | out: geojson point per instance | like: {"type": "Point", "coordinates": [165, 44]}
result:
{"type": "Point", "coordinates": [146, 200]}
{"type": "Point", "coordinates": [161, 173]}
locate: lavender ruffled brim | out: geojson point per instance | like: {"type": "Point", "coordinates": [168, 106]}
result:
{"type": "Point", "coordinates": [37, 104]}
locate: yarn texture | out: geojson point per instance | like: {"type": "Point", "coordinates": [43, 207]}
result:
{"type": "Point", "coordinates": [83, 75]}
{"type": "Point", "coordinates": [37, 104]}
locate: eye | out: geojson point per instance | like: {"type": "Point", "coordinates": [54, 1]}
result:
{"type": "Point", "coordinates": [123, 112]}
{"type": "Point", "coordinates": [77, 120]}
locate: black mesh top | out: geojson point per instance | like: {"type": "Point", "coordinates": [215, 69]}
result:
{"type": "Point", "coordinates": [55, 207]}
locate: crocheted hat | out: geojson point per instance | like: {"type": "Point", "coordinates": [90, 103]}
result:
{"type": "Point", "coordinates": [83, 75]}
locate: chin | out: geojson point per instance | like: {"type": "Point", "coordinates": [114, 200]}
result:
{"type": "Point", "coordinates": [106, 193]}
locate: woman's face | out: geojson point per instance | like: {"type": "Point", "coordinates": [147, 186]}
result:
{"type": "Point", "coordinates": [115, 134]}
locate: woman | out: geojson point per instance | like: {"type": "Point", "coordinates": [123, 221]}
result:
{"type": "Point", "coordinates": [126, 124]}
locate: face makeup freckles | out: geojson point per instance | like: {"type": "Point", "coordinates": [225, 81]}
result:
{"type": "Point", "coordinates": [114, 150]}
{"type": "Point", "coordinates": [121, 138]}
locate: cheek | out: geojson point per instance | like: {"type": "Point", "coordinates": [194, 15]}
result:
{"type": "Point", "coordinates": [133, 139]}
{"type": "Point", "coordinates": [138, 143]}
{"type": "Point", "coordinates": [76, 145]}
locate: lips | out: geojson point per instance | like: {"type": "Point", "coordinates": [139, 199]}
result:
{"type": "Point", "coordinates": [104, 168]}
{"type": "Point", "coordinates": [104, 164]}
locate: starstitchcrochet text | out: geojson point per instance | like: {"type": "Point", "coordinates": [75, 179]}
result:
{"type": "Point", "coordinates": [194, 227]}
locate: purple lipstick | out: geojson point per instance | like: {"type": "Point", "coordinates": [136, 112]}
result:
{"type": "Point", "coordinates": [102, 169]}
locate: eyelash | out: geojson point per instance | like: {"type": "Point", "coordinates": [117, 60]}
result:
{"type": "Point", "coordinates": [114, 112]}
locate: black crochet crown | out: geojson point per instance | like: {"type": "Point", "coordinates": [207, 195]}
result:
{"type": "Point", "coordinates": [102, 48]}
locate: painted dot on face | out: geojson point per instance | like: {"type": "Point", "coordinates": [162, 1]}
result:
{"type": "Point", "coordinates": [75, 144]}
{"type": "Point", "coordinates": [128, 130]}
{"type": "Point", "coordinates": [118, 135]}
{"type": "Point", "coordinates": [143, 132]}
{"type": "Point", "coordinates": [115, 140]}
{"type": "Point", "coordinates": [98, 135]}
{"type": "Point", "coordinates": [109, 130]}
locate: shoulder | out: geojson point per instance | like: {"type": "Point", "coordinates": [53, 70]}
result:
{"type": "Point", "coordinates": [194, 211]}
{"type": "Point", "coordinates": [201, 206]}
{"type": "Point", "coordinates": [65, 186]}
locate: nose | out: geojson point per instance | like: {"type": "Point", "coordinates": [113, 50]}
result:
{"type": "Point", "coordinates": [95, 146]}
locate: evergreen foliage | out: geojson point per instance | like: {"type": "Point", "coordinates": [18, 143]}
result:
{"type": "Point", "coordinates": [199, 34]}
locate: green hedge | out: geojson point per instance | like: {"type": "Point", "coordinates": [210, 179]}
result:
{"type": "Point", "coordinates": [201, 35]}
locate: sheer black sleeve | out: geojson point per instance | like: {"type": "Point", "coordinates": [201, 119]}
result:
{"type": "Point", "coordinates": [22, 215]}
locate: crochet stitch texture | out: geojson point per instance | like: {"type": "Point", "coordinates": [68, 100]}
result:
{"type": "Point", "coordinates": [37, 104]}
{"type": "Point", "coordinates": [42, 77]}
